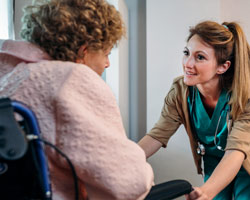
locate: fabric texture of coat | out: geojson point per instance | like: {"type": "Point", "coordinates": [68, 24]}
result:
{"type": "Point", "coordinates": [78, 113]}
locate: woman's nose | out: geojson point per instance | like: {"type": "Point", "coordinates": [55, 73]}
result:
{"type": "Point", "coordinates": [107, 63]}
{"type": "Point", "coordinates": [189, 62]}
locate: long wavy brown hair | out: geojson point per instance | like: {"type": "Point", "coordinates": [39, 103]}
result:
{"type": "Point", "coordinates": [229, 43]}
{"type": "Point", "coordinates": [61, 27]}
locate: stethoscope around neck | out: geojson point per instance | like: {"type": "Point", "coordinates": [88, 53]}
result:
{"type": "Point", "coordinates": [201, 150]}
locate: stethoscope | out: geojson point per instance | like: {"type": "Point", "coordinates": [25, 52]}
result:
{"type": "Point", "coordinates": [201, 150]}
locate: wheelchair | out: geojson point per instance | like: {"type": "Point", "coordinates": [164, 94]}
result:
{"type": "Point", "coordinates": [24, 172]}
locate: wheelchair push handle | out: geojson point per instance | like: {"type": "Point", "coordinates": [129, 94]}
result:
{"type": "Point", "coordinates": [169, 190]}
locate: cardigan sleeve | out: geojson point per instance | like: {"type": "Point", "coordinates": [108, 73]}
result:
{"type": "Point", "coordinates": [90, 131]}
{"type": "Point", "coordinates": [169, 120]}
{"type": "Point", "coordinates": [239, 137]}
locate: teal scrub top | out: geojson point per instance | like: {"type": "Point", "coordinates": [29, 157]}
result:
{"type": "Point", "coordinates": [205, 127]}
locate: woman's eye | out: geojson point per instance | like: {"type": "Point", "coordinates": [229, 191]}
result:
{"type": "Point", "coordinates": [200, 57]}
{"type": "Point", "coordinates": [185, 52]}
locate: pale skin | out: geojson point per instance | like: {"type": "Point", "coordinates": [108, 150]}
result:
{"type": "Point", "coordinates": [201, 69]}
{"type": "Point", "coordinates": [96, 60]}
{"type": "Point", "coordinates": [223, 174]}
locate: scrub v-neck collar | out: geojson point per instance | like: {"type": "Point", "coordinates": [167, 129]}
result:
{"type": "Point", "coordinates": [217, 110]}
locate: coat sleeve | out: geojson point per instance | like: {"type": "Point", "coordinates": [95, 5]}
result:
{"type": "Point", "coordinates": [169, 120]}
{"type": "Point", "coordinates": [90, 131]}
{"type": "Point", "coordinates": [239, 137]}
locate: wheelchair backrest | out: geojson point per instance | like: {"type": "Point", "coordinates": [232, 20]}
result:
{"type": "Point", "coordinates": [23, 165]}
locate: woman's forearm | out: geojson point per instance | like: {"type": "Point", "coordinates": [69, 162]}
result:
{"type": "Point", "coordinates": [149, 145]}
{"type": "Point", "coordinates": [224, 173]}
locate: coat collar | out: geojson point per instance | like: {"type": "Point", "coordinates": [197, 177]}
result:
{"type": "Point", "coordinates": [23, 50]}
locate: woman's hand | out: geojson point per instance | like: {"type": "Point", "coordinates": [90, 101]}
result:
{"type": "Point", "coordinates": [223, 174]}
{"type": "Point", "coordinates": [197, 194]}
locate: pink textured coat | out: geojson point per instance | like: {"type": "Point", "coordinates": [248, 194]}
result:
{"type": "Point", "coordinates": [78, 113]}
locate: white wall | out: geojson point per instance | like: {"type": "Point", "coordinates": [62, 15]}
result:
{"type": "Point", "coordinates": [117, 76]}
{"type": "Point", "coordinates": [239, 12]}
{"type": "Point", "coordinates": [167, 29]}
{"type": "Point", "coordinates": [6, 22]}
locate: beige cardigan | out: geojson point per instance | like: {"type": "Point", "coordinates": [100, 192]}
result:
{"type": "Point", "coordinates": [175, 112]}
{"type": "Point", "coordinates": [78, 113]}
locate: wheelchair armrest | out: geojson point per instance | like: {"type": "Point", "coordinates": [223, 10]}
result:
{"type": "Point", "coordinates": [169, 190]}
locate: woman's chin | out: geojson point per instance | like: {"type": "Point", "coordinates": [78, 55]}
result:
{"type": "Point", "coordinates": [188, 82]}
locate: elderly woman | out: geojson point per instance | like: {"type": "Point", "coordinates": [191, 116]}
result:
{"type": "Point", "coordinates": [56, 72]}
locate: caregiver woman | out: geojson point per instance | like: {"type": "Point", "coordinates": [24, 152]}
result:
{"type": "Point", "coordinates": [212, 101]}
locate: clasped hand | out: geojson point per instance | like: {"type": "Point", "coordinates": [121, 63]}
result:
{"type": "Point", "coordinates": [197, 194]}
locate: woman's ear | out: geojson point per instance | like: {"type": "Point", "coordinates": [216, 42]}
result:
{"type": "Point", "coordinates": [223, 67]}
{"type": "Point", "coordinates": [81, 54]}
